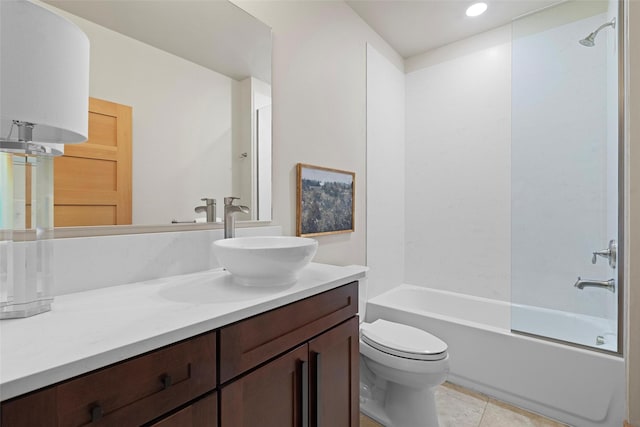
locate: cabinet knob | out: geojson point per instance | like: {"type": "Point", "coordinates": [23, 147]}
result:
{"type": "Point", "coordinates": [96, 412]}
{"type": "Point", "coordinates": [166, 381]}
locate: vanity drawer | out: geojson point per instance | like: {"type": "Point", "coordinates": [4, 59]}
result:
{"type": "Point", "coordinates": [132, 392]}
{"type": "Point", "coordinates": [248, 343]}
{"type": "Point", "coordinates": [203, 413]}
{"type": "Point", "coordinates": [140, 389]}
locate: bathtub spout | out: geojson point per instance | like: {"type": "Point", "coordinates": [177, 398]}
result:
{"type": "Point", "coordinates": [609, 285]}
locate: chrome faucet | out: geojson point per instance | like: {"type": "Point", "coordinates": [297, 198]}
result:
{"type": "Point", "coordinates": [229, 216]}
{"type": "Point", "coordinates": [609, 285]}
{"type": "Point", "coordinates": [209, 207]}
{"type": "Point", "coordinates": [611, 253]}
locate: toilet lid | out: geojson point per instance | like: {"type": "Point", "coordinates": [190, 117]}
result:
{"type": "Point", "coordinates": [403, 340]}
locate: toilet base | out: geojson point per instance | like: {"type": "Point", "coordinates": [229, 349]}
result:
{"type": "Point", "coordinates": [402, 406]}
{"type": "Point", "coordinates": [373, 410]}
{"type": "Point", "coordinates": [408, 407]}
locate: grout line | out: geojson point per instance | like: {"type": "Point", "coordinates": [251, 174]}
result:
{"type": "Point", "coordinates": [484, 411]}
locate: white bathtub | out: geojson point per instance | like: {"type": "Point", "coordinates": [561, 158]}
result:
{"type": "Point", "coordinates": [564, 326]}
{"type": "Point", "coordinates": [579, 387]}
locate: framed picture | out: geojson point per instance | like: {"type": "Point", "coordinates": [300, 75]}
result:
{"type": "Point", "coordinates": [325, 202]}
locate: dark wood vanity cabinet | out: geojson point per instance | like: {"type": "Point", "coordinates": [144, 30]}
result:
{"type": "Point", "coordinates": [315, 384]}
{"type": "Point", "coordinates": [334, 378]}
{"type": "Point", "coordinates": [296, 366]}
{"type": "Point", "coordinates": [131, 393]}
{"type": "Point", "coordinates": [306, 355]}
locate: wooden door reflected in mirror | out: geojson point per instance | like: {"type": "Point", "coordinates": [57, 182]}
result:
{"type": "Point", "coordinates": [92, 181]}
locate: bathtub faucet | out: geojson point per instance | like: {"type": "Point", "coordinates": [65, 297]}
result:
{"type": "Point", "coordinates": [607, 284]}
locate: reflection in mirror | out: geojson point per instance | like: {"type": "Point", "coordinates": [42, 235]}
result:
{"type": "Point", "coordinates": [200, 99]}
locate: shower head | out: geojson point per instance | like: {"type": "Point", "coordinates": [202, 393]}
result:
{"type": "Point", "coordinates": [590, 40]}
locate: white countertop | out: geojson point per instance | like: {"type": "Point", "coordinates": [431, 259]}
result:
{"type": "Point", "coordinates": [89, 330]}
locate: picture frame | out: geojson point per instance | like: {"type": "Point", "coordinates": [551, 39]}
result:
{"type": "Point", "coordinates": [325, 201]}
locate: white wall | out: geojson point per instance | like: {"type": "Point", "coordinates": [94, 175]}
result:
{"type": "Point", "coordinates": [181, 123]}
{"type": "Point", "coordinates": [385, 173]}
{"type": "Point", "coordinates": [457, 167]}
{"type": "Point", "coordinates": [319, 106]}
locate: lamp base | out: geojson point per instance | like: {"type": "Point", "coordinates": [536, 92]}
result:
{"type": "Point", "coordinates": [28, 309]}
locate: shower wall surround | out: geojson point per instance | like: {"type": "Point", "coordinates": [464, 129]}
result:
{"type": "Point", "coordinates": [564, 139]}
{"type": "Point", "coordinates": [473, 193]}
{"type": "Point", "coordinates": [458, 107]}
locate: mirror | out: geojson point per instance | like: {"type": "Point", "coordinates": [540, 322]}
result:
{"type": "Point", "coordinates": [197, 75]}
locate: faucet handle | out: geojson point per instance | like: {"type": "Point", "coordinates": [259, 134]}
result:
{"type": "Point", "coordinates": [610, 252]}
{"type": "Point", "coordinates": [209, 201]}
{"type": "Point", "coordinates": [594, 259]}
{"type": "Point", "coordinates": [229, 200]}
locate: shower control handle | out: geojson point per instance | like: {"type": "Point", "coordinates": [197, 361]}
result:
{"type": "Point", "coordinates": [605, 253]}
{"type": "Point", "coordinates": [611, 253]}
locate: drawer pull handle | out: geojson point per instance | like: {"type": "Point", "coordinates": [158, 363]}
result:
{"type": "Point", "coordinates": [318, 389]}
{"type": "Point", "coordinates": [304, 384]}
{"type": "Point", "coordinates": [96, 412]}
{"type": "Point", "coordinates": [166, 381]}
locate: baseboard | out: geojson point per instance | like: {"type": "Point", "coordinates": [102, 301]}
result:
{"type": "Point", "coordinates": [626, 424]}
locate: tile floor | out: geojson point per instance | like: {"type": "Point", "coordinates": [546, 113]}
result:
{"type": "Point", "coordinates": [459, 407]}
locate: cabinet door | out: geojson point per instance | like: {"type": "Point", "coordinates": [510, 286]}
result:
{"type": "Point", "coordinates": [334, 378]}
{"type": "Point", "coordinates": [274, 395]}
{"type": "Point", "coordinates": [203, 413]}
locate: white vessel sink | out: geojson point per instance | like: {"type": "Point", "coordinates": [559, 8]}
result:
{"type": "Point", "coordinates": [265, 261]}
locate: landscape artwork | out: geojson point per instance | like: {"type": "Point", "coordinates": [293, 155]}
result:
{"type": "Point", "coordinates": [325, 201]}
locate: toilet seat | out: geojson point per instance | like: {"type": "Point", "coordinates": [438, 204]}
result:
{"type": "Point", "coordinates": [403, 340]}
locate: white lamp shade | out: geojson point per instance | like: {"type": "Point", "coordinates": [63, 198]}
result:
{"type": "Point", "coordinates": [44, 74]}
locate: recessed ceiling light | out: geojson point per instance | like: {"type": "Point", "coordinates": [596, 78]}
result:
{"type": "Point", "coordinates": [476, 9]}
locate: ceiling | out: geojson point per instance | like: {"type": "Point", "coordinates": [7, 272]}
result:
{"type": "Point", "coordinates": [411, 27]}
{"type": "Point", "coordinates": [416, 26]}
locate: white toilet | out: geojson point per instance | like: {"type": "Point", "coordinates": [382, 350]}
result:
{"type": "Point", "coordinates": [400, 367]}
